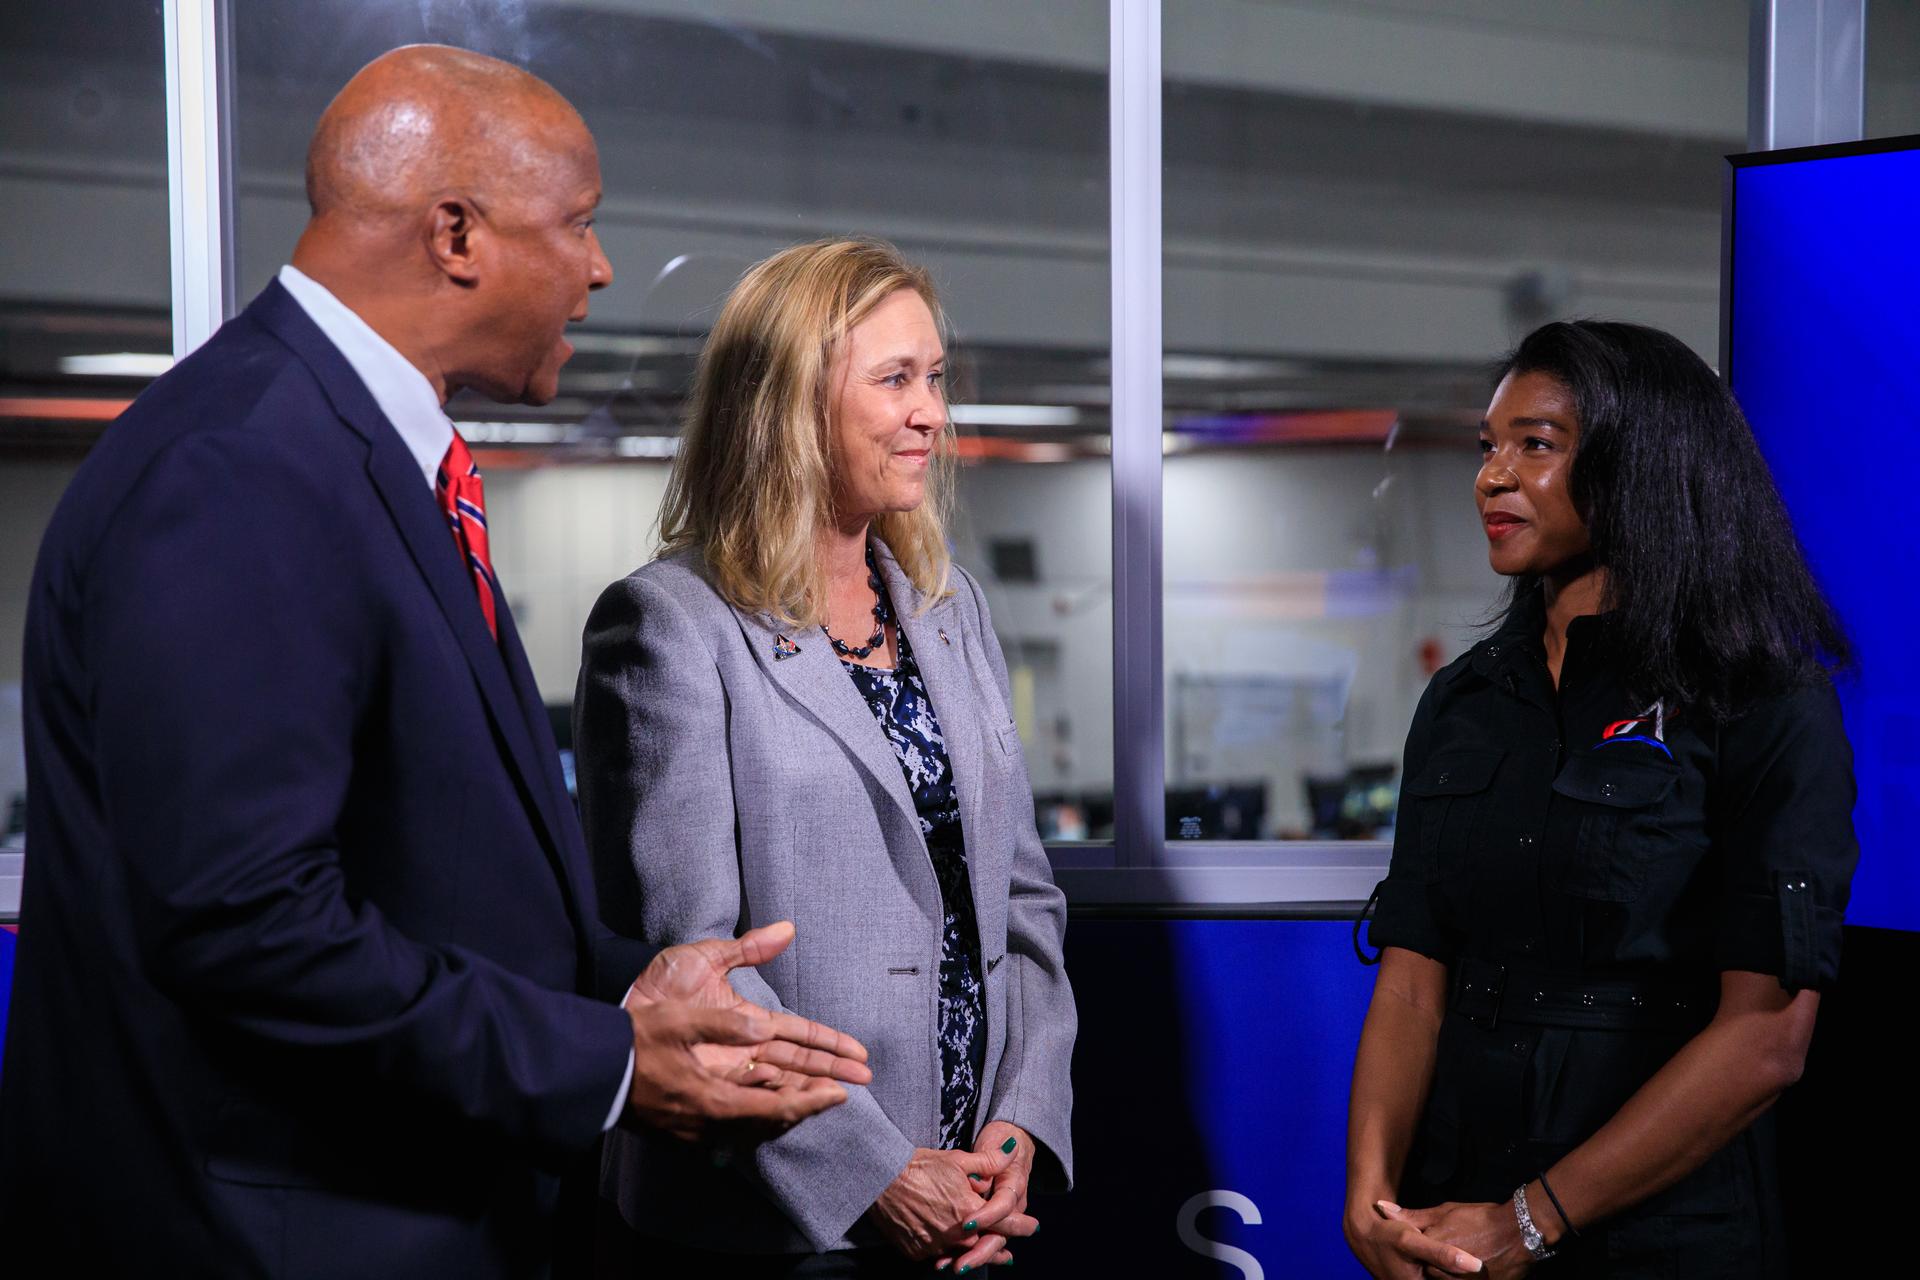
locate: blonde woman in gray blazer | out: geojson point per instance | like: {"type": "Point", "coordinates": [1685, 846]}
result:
{"type": "Point", "coordinates": [800, 711]}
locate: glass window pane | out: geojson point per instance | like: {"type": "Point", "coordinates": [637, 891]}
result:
{"type": "Point", "coordinates": [1366, 203]}
{"type": "Point", "coordinates": [84, 286]}
{"type": "Point", "coordinates": [1893, 68]}
{"type": "Point", "coordinates": [977, 143]}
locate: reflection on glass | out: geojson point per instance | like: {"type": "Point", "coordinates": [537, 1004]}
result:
{"type": "Point", "coordinates": [1365, 204]}
{"type": "Point", "coordinates": [84, 286]}
{"type": "Point", "coordinates": [976, 143]}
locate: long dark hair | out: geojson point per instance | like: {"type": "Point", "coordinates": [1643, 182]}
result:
{"type": "Point", "coordinates": [1711, 603]}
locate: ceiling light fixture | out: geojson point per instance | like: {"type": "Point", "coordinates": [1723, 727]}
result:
{"type": "Point", "coordinates": [118, 364]}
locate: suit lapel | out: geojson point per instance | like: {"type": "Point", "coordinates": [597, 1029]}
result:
{"type": "Point", "coordinates": [811, 675]}
{"type": "Point", "coordinates": [423, 529]}
{"type": "Point", "coordinates": [548, 787]}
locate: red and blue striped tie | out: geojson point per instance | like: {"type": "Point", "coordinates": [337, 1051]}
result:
{"type": "Point", "coordinates": [459, 489]}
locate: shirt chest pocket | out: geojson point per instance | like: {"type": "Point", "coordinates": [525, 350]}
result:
{"type": "Point", "coordinates": [1612, 829]}
{"type": "Point", "coordinates": [1446, 798]}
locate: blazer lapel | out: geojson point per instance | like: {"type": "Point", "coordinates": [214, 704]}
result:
{"type": "Point", "coordinates": [939, 649]}
{"type": "Point", "coordinates": [802, 664]}
{"type": "Point", "coordinates": [410, 503]}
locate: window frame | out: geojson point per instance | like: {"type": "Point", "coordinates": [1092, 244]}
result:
{"type": "Point", "coordinates": [1805, 59]}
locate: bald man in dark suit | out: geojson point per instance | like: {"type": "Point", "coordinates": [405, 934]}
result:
{"type": "Point", "coordinates": [308, 933]}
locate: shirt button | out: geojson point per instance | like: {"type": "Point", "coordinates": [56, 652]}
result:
{"type": "Point", "coordinates": [1526, 842]}
{"type": "Point", "coordinates": [1493, 651]}
{"type": "Point", "coordinates": [1445, 778]}
{"type": "Point", "coordinates": [1606, 788]}
{"type": "Point", "coordinates": [1555, 748]}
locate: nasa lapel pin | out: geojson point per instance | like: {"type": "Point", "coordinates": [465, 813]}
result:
{"type": "Point", "coordinates": [784, 648]}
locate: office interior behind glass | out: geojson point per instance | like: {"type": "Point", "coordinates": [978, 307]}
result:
{"type": "Point", "coordinates": [1357, 222]}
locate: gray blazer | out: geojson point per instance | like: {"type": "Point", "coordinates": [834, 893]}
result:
{"type": "Point", "coordinates": [726, 784]}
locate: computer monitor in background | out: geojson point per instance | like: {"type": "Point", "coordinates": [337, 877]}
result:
{"type": "Point", "coordinates": [1357, 805]}
{"type": "Point", "coordinates": [1820, 339]}
{"type": "Point", "coordinates": [1223, 811]}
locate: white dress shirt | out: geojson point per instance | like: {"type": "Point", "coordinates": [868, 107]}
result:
{"type": "Point", "coordinates": [402, 391]}
{"type": "Point", "coordinates": [408, 400]}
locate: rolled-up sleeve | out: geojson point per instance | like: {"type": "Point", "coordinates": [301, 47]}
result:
{"type": "Point", "coordinates": [1782, 819]}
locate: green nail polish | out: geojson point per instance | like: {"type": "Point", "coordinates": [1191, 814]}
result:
{"type": "Point", "coordinates": [964, 1270]}
{"type": "Point", "coordinates": [1009, 1145]}
{"type": "Point", "coordinates": [971, 1226]}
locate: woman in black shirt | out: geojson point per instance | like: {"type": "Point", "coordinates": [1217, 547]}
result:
{"type": "Point", "coordinates": [1623, 850]}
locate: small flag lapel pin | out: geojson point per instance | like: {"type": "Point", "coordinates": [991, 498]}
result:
{"type": "Point", "coordinates": [784, 648]}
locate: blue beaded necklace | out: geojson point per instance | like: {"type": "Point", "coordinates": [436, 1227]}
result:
{"type": "Point", "coordinates": [879, 636]}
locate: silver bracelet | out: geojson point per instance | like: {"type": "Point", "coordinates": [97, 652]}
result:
{"type": "Point", "coordinates": [1529, 1234]}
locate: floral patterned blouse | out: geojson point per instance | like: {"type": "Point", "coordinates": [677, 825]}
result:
{"type": "Point", "coordinates": [898, 700]}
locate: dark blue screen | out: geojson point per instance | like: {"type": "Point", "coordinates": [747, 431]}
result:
{"type": "Point", "coordinates": [1825, 359]}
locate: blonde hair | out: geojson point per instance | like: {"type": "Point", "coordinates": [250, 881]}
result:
{"type": "Point", "coordinates": [752, 484]}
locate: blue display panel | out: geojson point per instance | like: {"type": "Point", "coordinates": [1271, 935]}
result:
{"type": "Point", "coordinates": [1824, 351]}
{"type": "Point", "coordinates": [8, 941]}
{"type": "Point", "coordinates": [1210, 1101]}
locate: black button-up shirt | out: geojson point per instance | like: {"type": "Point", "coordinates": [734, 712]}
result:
{"type": "Point", "coordinates": [1576, 831]}
{"type": "Point", "coordinates": [1561, 843]}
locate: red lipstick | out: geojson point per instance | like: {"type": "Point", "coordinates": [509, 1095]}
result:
{"type": "Point", "coordinates": [1500, 523]}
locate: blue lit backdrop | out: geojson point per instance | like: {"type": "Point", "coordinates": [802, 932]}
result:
{"type": "Point", "coordinates": [1825, 359]}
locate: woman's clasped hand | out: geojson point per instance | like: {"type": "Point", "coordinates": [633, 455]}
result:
{"type": "Point", "coordinates": [1460, 1239]}
{"type": "Point", "coordinates": [961, 1207]}
{"type": "Point", "coordinates": [1392, 1244]}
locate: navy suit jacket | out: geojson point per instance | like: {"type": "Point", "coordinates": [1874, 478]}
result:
{"type": "Point", "coordinates": [308, 924]}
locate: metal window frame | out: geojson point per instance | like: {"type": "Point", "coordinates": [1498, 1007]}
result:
{"type": "Point", "coordinates": [1142, 868]}
{"type": "Point", "coordinates": [1807, 75]}
{"type": "Point", "coordinates": [1139, 710]}
{"type": "Point", "coordinates": [199, 168]}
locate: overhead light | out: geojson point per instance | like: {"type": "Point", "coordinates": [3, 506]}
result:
{"type": "Point", "coordinates": [626, 344]}
{"type": "Point", "coordinates": [562, 434]}
{"type": "Point", "coordinates": [1013, 415]}
{"type": "Point", "coordinates": [1222, 368]}
{"type": "Point", "coordinates": [511, 432]}
{"type": "Point", "coordinates": [117, 364]}
{"type": "Point", "coordinates": [647, 446]}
